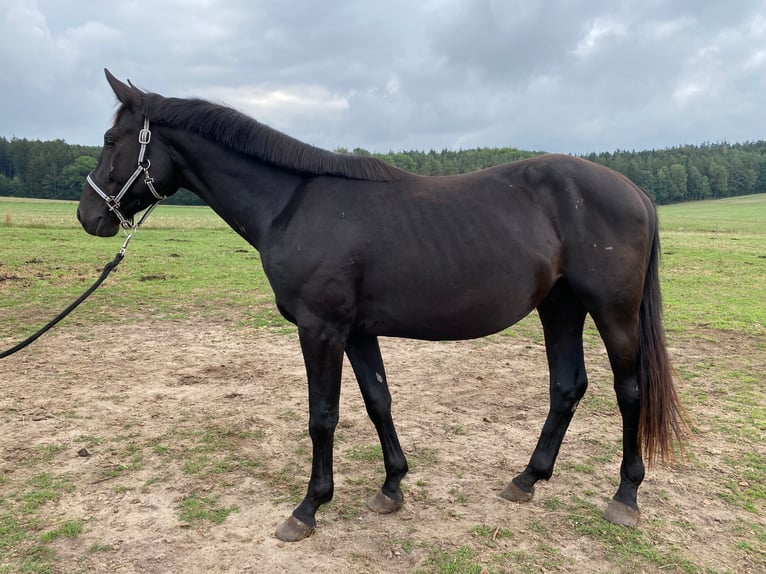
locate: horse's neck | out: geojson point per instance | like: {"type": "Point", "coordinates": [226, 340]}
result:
{"type": "Point", "coordinates": [245, 192]}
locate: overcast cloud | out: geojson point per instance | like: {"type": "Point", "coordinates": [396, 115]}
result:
{"type": "Point", "coordinates": [569, 76]}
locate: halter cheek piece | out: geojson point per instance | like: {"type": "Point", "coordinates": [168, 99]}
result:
{"type": "Point", "coordinates": [113, 201]}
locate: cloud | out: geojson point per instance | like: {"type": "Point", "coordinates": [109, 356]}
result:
{"type": "Point", "coordinates": [600, 30]}
{"type": "Point", "coordinates": [564, 75]}
{"type": "Point", "coordinates": [284, 105]}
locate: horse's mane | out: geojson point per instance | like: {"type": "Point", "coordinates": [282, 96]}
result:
{"type": "Point", "coordinates": [245, 135]}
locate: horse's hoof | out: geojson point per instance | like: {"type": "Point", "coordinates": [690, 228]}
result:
{"type": "Point", "coordinates": [292, 530]}
{"type": "Point", "coordinates": [383, 504]}
{"type": "Point", "coordinates": [515, 494]}
{"type": "Point", "coordinates": [622, 514]}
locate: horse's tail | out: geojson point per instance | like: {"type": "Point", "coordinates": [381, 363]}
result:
{"type": "Point", "coordinates": [662, 420]}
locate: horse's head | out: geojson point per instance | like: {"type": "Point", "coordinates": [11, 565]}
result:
{"type": "Point", "coordinates": [134, 171]}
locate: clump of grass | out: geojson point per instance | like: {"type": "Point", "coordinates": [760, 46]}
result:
{"type": "Point", "coordinates": [100, 547]}
{"type": "Point", "coordinates": [203, 452]}
{"type": "Point", "coordinates": [69, 529]}
{"type": "Point", "coordinates": [458, 495]}
{"type": "Point", "coordinates": [544, 558]}
{"type": "Point", "coordinates": [287, 482]}
{"type": "Point", "coordinates": [552, 503]}
{"type": "Point", "coordinates": [195, 509]}
{"type": "Point", "coordinates": [20, 524]}
{"type": "Point", "coordinates": [368, 453]}
{"type": "Point", "coordinates": [454, 561]}
{"type": "Point", "coordinates": [42, 488]}
{"type": "Point", "coordinates": [422, 457]}
{"type": "Point", "coordinates": [489, 536]}
{"type": "Point", "coordinates": [46, 452]}
{"type": "Point", "coordinates": [749, 491]}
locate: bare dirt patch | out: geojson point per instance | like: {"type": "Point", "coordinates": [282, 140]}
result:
{"type": "Point", "coordinates": [170, 412]}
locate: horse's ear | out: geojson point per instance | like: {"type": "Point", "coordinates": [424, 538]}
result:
{"type": "Point", "coordinates": [127, 94]}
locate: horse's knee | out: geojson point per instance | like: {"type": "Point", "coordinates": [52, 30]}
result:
{"type": "Point", "coordinates": [379, 411]}
{"type": "Point", "coordinates": [323, 426]}
{"type": "Point", "coordinates": [377, 399]}
{"type": "Point", "coordinates": [628, 399]}
{"type": "Point", "coordinates": [566, 395]}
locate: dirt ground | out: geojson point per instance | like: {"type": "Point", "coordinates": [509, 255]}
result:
{"type": "Point", "coordinates": [142, 400]}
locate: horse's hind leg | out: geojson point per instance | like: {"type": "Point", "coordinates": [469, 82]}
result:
{"type": "Point", "coordinates": [621, 341]}
{"type": "Point", "coordinates": [365, 358]}
{"type": "Point", "coordinates": [562, 315]}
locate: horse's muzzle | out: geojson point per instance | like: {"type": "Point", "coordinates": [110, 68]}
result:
{"type": "Point", "coordinates": [100, 226]}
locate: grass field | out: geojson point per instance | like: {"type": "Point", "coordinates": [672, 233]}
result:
{"type": "Point", "coordinates": [183, 258]}
{"type": "Point", "coordinates": [714, 264]}
{"type": "Point", "coordinates": [186, 262]}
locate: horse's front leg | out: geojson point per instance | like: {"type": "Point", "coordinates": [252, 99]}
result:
{"type": "Point", "coordinates": [323, 355]}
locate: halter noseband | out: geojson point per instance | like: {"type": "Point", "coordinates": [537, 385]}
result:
{"type": "Point", "coordinates": [113, 201]}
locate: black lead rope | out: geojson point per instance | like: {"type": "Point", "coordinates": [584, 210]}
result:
{"type": "Point", "coordinates": [108, 268]}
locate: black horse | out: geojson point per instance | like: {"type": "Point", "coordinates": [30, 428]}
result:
{"type": "Point", "coordinates": [356, 249]}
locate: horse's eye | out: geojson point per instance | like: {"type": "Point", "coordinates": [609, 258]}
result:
{"type": "Point", "coordinates": [108, 142]}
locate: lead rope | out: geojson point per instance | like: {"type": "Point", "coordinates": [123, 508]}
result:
{"type": "Point", "coordinates": [108, 268]}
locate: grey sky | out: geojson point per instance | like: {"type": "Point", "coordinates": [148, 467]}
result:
{"type": "Point", "coordinates": [569, 76]}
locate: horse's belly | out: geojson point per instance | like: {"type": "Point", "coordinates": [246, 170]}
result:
{"type": "Point", "coordinates": [445, 315]}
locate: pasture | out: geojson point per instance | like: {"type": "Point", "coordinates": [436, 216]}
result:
{"type": "Point", "coordinates": [162, 426]}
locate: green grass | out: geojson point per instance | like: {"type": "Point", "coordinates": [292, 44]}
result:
{"type": "Point", "coordinates": [24, 538]}
{"type": "Point", "coordinates": [542, 558]}
{"type": "Point", "coordinates": [489, 536]}
{"type": "Point", "coordinates": [714, 264]}
{"type": "Point", "coordinates": [69, 529]}
{"type": "Point", "coordinates": [749, 491]}
{"type": "Point", "coordinates": [366, 453]}
{"type": "Point", "coordinates": [453, 561]}
{"type": "Point", "coordinates": [186, 259]}
{"type": "Point", "coordinates": [197, 509]}
{"type": "Point", "coordinates": [42, 488]}
{"type": "Point", "coordinates": [737, 215]}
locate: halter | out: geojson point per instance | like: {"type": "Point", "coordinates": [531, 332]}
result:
{"type": "Point", "coordinates": [113, 201]}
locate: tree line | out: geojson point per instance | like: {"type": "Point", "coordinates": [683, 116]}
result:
{"type": "Point", "coordinates": [57, 170]}
{"type": "Point", "coordinates": [685, 173]}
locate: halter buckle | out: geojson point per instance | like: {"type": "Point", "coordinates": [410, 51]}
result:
{"type": "Point", "coordinates": [144, 136]}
